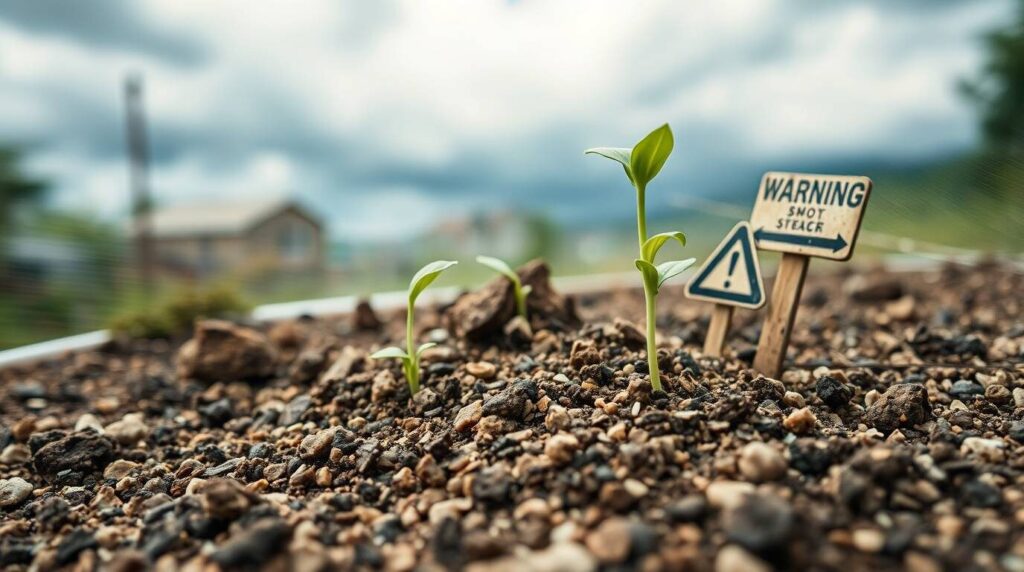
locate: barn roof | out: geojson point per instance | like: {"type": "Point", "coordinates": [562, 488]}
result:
{"type": "Point", "coordinates": [217, 217]}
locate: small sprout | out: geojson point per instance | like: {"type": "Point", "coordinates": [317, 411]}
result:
{"type": "Point", "coordinates": [519, 291]}
{"type": "Point", "coordinates": [642, 163]}
{"type": "Point", "coordinates": [411, 356]}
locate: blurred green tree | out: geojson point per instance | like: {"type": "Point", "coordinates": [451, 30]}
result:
{"type": "Point", "coordinates": [16, 188]}
{"type": "Point", "coordinates": [998, 90]}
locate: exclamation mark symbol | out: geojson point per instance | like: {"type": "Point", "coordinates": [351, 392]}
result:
{"type": "Point", "coordinates": [732, 266]}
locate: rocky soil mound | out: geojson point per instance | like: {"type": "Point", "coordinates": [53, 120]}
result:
{"type": "Point", "coordinates": [895, 439]}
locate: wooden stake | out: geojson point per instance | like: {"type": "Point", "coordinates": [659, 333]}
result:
{"type": "Point", "coordinates": [718, 329]}
{"type": "Point", "coordinates": [789, 282]}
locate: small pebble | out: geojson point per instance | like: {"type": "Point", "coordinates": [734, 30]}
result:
{"type": "Point", "coordinates": [88, 421]}
{"type": "Point", "coordinates": [760, 462]}
{"type": "Point", "coordinates": [469, 416]}
{"type": "Point", "coordinates": [557, 418]}
{"type": "Point", "coordinates": [868, 539]}
{"type": "Point", "coordinates": [610, 541]}
{"type": "Point", "coordinates": [800, 421]}
{"type": "Point", "coordinates": [482, 369]}
{"type": "Point", "coordinates": [129, 430]}
{"type": "Point", "coordinates": [727, 494]}
{"type": "Point", "coordinates": [561, 447]}
{"type": "Point", "coordinates": [733, 558]}
{"type": "Point", "coordinates": [14, 491]}
{"type": "Point", "coordinates": [794, 399]}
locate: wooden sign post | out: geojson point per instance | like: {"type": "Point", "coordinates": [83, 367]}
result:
{"type": "Point", "coordinates": [730, 277]}
{"type": "Point", "coordinates": [801, 216]}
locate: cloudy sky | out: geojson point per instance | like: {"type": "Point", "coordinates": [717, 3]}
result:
{"type": "Point", "coordinates": [384, 114]}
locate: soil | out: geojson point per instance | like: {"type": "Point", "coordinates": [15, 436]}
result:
{"type": "Point", "coordinates": [894, 439]}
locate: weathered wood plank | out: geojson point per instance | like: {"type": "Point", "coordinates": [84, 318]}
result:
{"type": "Point", "coordinates": [718, 329]}
{"type": "Point", "coordinates": [789, 283]}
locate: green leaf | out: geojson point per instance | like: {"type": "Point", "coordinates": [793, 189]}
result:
{"type": "Point", "coordinates": [620, 154]}
{"type": "Point", "coordinates": [390, 353]}
{"type": "Point", "coordinates": [667, 270]}
{"type": "Point", "coordinates": [424, 347]}
{"type": "Point", "coordinates": [498, 266]}
{"type": "Point", "coordinates": [650, 154]}
{"type": "Point", "coordinates": [650, 274]}
{"type": "Point", "coordinates": [425, 276]}
{"type": "Point", "coordinates": [652, 245]}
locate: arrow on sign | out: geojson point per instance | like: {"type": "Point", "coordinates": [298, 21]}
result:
{"type": "Point", "coordinates": [834, 244]}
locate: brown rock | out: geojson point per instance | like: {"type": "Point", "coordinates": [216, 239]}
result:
{"type": "Point", "coordinates": [610, 542]}
{"type": "Point", "coordinates": [482, 369]}
{"type": "Point", "coordinates": [428, 471]}
{"type": "Point", "coordinates": [632, 337]}
{"type": "Point", "coordinates": [317, 445]}
{"type": "Point", "coordinates": [469, 416]}
{"type": "Point", "coordinates": [349, 361]}
{"type": "Point", "coordinates": [83, 452]}
{"type": "Point", "coordinates": [561, 447]}
{"type": "Point", "coordinates": [583, 353]}
{"type": "Point", "coordinates": [902, 405]}
{"type": "Point", "coordinates": [483, 313]}
{"type": "Point", "coordinates": [800, 421]}
{"type": "Point", "coordinates": [222, 351]}
{"type": "Point", "coordinates": [760, 462]}
{"type": "Point", "coordinates": [557, 418]}
{"type": "Point", "coordinates": [226, 499]}
{"type": "Point", "coordinates": [385, 387]}
{"type": "Point", "coordinates": [998, 394]}
{"type": "Point", "coordinates": [863, 289]}
{"type": "Point", "coordinates": [365, 318]}
{"type": "Point", "coordinates": [733, 558]}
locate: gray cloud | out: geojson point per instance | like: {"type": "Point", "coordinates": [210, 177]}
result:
{"type": "Point", "coordinates": [110, 24]}
{"type": "Point", "coordinates": [387, 99]}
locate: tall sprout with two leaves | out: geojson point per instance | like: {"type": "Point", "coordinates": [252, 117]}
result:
{"type": "Point", "coordinates": [411, 356]}
{"type": "Point", "coordinates": [519, 291]}
{"type": "Point", "coordinates": [642, 163]}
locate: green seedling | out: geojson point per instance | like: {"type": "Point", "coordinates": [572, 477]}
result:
{"type": "Point", "coordinates": [411, 356]}
{"type": "Point", "coordinates": [642, 163]}
{"type": "Point", "coordinates": [519, 291]}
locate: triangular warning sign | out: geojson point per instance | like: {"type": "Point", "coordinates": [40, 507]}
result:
{"type": "Point", "coordinates": [731, 274]}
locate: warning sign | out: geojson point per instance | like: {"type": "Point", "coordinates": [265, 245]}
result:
{"type": "Point", "coordinates": [813, 215]}
{"type": "Point", "coordinates": [731, 274]}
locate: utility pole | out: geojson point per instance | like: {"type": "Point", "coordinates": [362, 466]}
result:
{"type": "Point", "coordinates": [138, 179]}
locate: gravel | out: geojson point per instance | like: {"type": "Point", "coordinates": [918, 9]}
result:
{"type": "Point", "coordinates": [895, 442]}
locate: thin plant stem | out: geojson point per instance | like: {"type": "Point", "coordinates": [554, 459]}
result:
{"type": "Point", "coordinates": [650, 296]}
{"type": "Point", "coordinates": [641, 216]}
{"type": "Point", "coordinates": [652, 346]}
{"type": "Point", "coordinates": [517, 290]}
{"type": "Point", "coordinates": [413, 363]}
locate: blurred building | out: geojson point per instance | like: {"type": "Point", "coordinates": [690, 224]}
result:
{"type": "Point", "coordinates": [241, 239]}
{"type": "Point", "coordinates": [504, 234]}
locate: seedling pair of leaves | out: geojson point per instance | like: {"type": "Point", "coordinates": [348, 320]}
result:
{"type": "Point", "coordinates": [411, 356]}
{"type": "Point", "coordinates": [642, 163]}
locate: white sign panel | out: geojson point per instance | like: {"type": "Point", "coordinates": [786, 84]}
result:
{"type": "Point", "coordinates": [813, 215]}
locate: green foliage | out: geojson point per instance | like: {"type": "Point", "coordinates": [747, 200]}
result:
{"type": "Point", "coordinates": [519, 291]}
{"type": "Point", "coordinates": [426, 276]}
{"type": "Point", "coordinates": [652, 245]}
{"type": "Point", "coordinates": [16, 188]}
{"type": "Point", "coordinates": [650, 154]}
{"type": "Point", "coordinates": [998, 90]}
{"type": "Point", "coordinates": [177, 314]}
{"type": "Point", "coordinates": [642, 164]}
{"type": "Point", "coordinates": [411, 356]}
